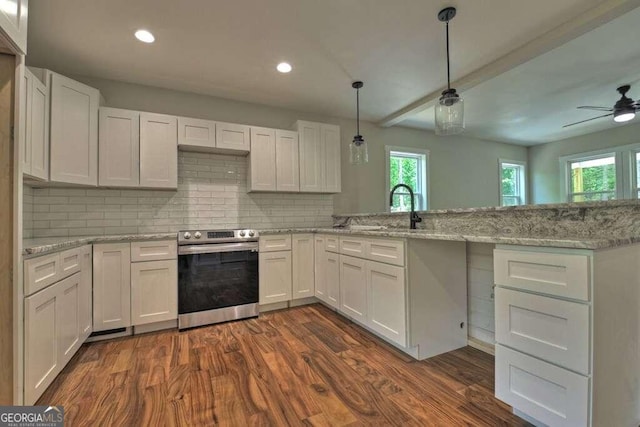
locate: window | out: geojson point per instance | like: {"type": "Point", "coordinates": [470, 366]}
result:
{"type": "Point", "coordinates": [593, 179]}
{"type": "Point", "coordinates": [407, 166]}
{"type": "Point", "coordinates": [513, 184]}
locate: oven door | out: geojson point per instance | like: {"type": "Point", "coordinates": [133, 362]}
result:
{"type": "Point", "coordinates": [217, 276]}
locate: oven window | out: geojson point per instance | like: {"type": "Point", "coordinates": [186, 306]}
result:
{"type": "Point", "coordinates": [217, 280]}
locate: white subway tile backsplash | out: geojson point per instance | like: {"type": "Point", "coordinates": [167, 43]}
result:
{"type": "Point", "coordinates": [212, 193]}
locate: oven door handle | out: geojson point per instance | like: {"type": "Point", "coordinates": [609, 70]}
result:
{"type": "Point", "coordinates": [217, 248]}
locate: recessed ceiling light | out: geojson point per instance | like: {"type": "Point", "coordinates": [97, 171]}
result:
{"type": "Point", "coordinates": [145, 36]}
{"type": "Point", "coordinates": [284, 67]}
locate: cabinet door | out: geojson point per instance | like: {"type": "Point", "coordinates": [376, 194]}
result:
{"type": "Point", "coordinates": [275, 277]}
{"type": "Point", "coordinates": [312, 161]}
{"type": "Point", "coordinates": [41, 272]}
{"type": "Point", "coordinates": [303, 266]}
{"type": "Point", "coordinates": [86, 297]}
{"type": "Point", "coordinates": [26, 87]}
{"type": "Point", "coordinates": [196, 133]}
{"type": "Point", "coordinates": [262, 160]}
{"type": "Point", "coordinates": [13, 22]}
{"type": "Point", "coordinates": [74, 132]}
{"type": "Point", "coordinates": [154, 291]}
{"type": "Point", "coordinates": [119, 148]}
{"type": "Point", "coordinates": [332, 279]}
{"type": "Point", "coordinates": [111, 286]}
{"type": "Point", "coordinates": [330, 136]}
{"type": "Point", "coordinates": [287, 161]}
{"type": "Point", "coordinates": [232, 137]}
{"type": "Point", "coordinates": [387, 301]}
{"type": "Point", "coordinates": [353, 288]}
{"type": "Point", "coordinates": [69, 298]}
{"type": "Point", "coordinates": [41, 344]}
{"type": "Point", "coordinates": [38, 133]}
{"type": "Point", "coordinates": [320, 269]}
{"type": "Point", "coordinates": [158, 151]}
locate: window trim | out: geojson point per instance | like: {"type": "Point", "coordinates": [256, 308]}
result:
{"type": "Point", "coordinates": [425, 167]}
{"type": "Point", "coordinates": [525, 182]}
{"type": "Point", "coordinates": [625, 169]}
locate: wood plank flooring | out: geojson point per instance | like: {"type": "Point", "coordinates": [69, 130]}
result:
{"type": "Point", "coordinates": [306, 366]}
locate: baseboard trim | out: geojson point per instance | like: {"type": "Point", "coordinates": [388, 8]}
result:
{"type": "Point", "coordinates": [481, 345]}
{"type": "Point", "coordinates": [157, 326]}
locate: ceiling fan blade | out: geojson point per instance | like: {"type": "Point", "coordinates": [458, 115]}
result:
{"type": "Point", "coordinates": [589, 107]}
{"type": "Point", "coordinates": [588, 120]}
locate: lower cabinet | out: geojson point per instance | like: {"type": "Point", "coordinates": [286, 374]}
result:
{"type": "Point", "coordinates": [353, 287]}
{"type": "Point", "coordinates": [111, 286]}
{"type": "Point", "coordinates": [154, 294]}
{"type": "Point", "coordinates": [320, 268]}
{"type": "Point", "coordinates": [275, 276]}
{"type": "Point", "coordinates": [57, 321]}
{"type": "Point", "coordinates": [303, 257]}
{"type": "Point", "coordinates": [387, 313]}
{"type": "Point", "coordinates": [332, 278]}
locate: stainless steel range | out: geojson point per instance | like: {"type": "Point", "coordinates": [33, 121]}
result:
{"type": "Point", "coordinates": [217, 276]}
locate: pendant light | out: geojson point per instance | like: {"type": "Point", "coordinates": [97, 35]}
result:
{"type": "Point", "coordinates": [358, 148]}
{"type": "Point", "coordinates": [450, 108]}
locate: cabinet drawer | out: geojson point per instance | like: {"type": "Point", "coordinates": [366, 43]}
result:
{"type": "Point", "coordinates": [158, 250]}
{"type": "Point", "coordinates": [559, 274]}
{"type": "Point", "coordinates": [331, 244]}
{"type": "Point", "coordinates": [352, 247]}
{"type": "Point", "coordinates": [547, 393]}
{"type": "Point", "coordinates": [275, 243]}
{"type": "Point", "coordinates": [387, 251]}
{"type": "Point", "coordinates": [70, 262]}
{"type": "Point", "coordinates": [41, 272]}
{"type": "Point", "coordinates": [548, 328]}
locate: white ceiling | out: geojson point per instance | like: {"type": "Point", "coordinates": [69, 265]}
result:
{"type": "Point", "coordinates": [230, 49]}
{"type": "Point", "coordinates": [529, 104]}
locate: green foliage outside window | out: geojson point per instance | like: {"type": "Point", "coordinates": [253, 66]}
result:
{"type": "Point", "coordinates": [600, 180]}
{"type": "Point", "coordinates": [403, 170]}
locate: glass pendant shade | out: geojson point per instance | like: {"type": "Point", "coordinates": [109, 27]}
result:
{"type": "Point", "coordinates": [449, 113]}
{"type": "Point", "coordinates": [359, 153]}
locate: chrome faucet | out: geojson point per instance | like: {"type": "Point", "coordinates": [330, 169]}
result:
{"type": "Point", "coordinates": [413, 216]}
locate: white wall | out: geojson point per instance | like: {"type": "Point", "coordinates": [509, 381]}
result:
{"type": "Point", "coordinates": [464, 171]}
{"type": "Point", "coordinates": [544, 165]}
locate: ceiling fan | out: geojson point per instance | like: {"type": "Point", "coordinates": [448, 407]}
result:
{"type": "Point", "coordinates": [623, 110]}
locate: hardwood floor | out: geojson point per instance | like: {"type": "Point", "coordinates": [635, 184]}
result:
{"type": "Point", "coordinates": [305, 366]}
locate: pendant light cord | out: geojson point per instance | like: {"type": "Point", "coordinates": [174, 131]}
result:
{"type": "Point", "coordinates": [358, 111]}
{"type": "Point", "coordinates": [448, 72]}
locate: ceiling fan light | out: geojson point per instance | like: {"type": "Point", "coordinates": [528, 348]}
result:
{"type": "Point", "coordinates": [623, 116]}
{"type": "Point", "coordinates": [449, 113]}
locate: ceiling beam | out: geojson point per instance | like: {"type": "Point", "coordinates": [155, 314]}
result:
{"type": "Point", "coordinates": [583, 23]}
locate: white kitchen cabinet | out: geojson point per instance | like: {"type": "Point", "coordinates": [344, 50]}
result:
{"type": "Point", "coordinates": [332, 279]}
{"type": "Point", "coordinates": [312, 160]}
{"type": "Point", "coordinates": [275, 243]}
{"type": "Point", "coordinates": [42, 342]}
{"type": "Point", "coordinates": [233, 137]}
{"type": "Point", "coordinates": [287, 161]}
{"type": "Point", "coordinates": [119, 148]}
{"type": "Point", "coordinates": [353, 288]}
{"type": "Point", "coordinates": [41, 272]}
{"type": "Point", "coordinates": [13, 25]}
{"type": "Point", "coordinates": [387, 301]}
{"type": "Point", "coordinates": [35, 138]}
{"type": "Point", "coordinates": [196, 133]}
{"type": "Point", "coordinates": [23, 107]}
{"type": "Point", "coordinates": [330, 138]}
{"type": "Point", "coordinates": [111, 286]}
{"type": "Point", "coordinates": [69, 300]}
{"type": "Point", "coordinates": [158, 151]}
{"type": "Point", "coordinates": [303, 266]}
{"type": "Point", "coordinates": [86, 293]}
{"type": "Point", "coordinates": [262, 160]}
{"type": "Point", "coordinates": [320, 167]}
{"type": "Point", "coordinates": [352, 246]}
{"type": "Point", "coordinates": [154, 291]}
{"type": "Point", "coordinates": [154, 250]}
{"type": "Point", "coordinates": [320, 268]}
{"type": "Point", "coordinates": [275, 277]}
{"type": "Point", "coordinates": [73, 131]}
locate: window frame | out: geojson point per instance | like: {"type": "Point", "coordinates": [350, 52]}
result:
{"type": "Point", "coordinates": [626, 178]}
{"type": "Point", "coordinates": [424, 167]}
{"type": "Point", "coordinates": [523, 178]}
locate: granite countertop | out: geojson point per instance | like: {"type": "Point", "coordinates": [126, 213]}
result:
{"type": "Point", "coordinates": [34, 247]}
{"type": "Point", "coordinates": [40, 246]}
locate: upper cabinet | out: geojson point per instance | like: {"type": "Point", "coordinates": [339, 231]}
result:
{"type": "Point", "coordinates": [34, 127]}
{"type": "Point", "coordinates": [119, 148]}
{"type": "Point", "coordinates": [74, 131]}
{"type": "Point", "coordinates": [196, 134]}
{"type": "Point", "coordinates": [319, 157]}
{"type": "Point", "coordinates": [232, 137]}
{"type": "Point", "coordinates": [158, 151]}
{"type": "Point", "coordinates": [13, 25]}
{"type": "Point", "coordinates": [262, 160]}
{"type": "Point", "coordinates": [287, 161]}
